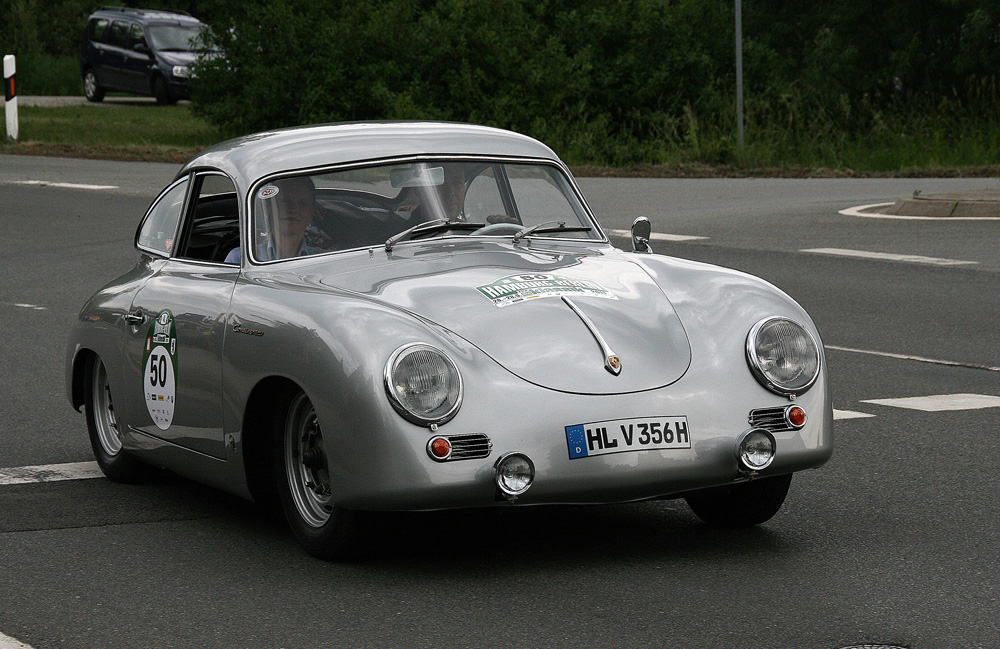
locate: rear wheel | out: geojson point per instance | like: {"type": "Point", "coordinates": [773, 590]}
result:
{"type": "Point", "coordinates": [91, 89]}
{"type": "Point", "coordinates": [103, 426]}
{"type": "Point", "coordinates": [305, 488]}
{"type": "Point", "coordinates": [743, 504]}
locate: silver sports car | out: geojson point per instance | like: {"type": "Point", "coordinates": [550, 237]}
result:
{"type": "Point", "coordinates": [408, 316]}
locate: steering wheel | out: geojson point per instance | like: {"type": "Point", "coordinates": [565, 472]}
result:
{"type": "Point", "coordinates": [498, 229]}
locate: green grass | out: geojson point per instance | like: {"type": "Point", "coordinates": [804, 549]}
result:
{"type": "Point", "coordinates": [142, 125]}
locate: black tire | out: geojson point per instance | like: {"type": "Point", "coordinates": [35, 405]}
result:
{"type": "Point", "coordinates": [741, 505]}
{"type": "Point", "coordinates": [162, 92]}
{"type": "Point", "coordinates": [91, 89]}
{"type": "Point", "coordinates": [324, 529]}
{"type": "Point", "coordinates": [105, 436]}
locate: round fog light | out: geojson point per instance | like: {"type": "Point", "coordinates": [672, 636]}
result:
{"type": "Point", "coordinates": [755, 449]}
{"type": "Point", "coordinates": [513, 474]}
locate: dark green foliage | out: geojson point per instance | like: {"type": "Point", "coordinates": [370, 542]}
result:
{"type": "Point", "coordinates": [620, 82]}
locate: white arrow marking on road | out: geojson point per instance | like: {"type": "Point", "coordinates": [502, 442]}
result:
{"type": "Point", "coordinates": [888, 256]}
{"type": "Point", "coordinates": [7, 642]}
{"type": "Point", "coordinates": [849, 414]}
{"type": "Point", "coordinates": [49, 473]}
{"type": "Point", "coordinates": [941, 402]}
{"type": "Point", "coordinates": [46, 183]}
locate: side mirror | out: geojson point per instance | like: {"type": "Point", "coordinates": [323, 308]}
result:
{"type": "Point", "coordinates": [141, 48]}
{"type": "Point", "coordinates": [641, 229]}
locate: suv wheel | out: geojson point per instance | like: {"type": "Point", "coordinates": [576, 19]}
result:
{"type": "Point", "coordinates": [162, 92]}
{"type": "Point", "coordinates": [91, 89]}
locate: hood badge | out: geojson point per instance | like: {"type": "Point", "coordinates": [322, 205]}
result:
{"type": "Point", "coordinates": [612, 362]}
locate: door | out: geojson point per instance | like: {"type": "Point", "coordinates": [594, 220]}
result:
{"type": "Point", "coordinates": [173, 355]}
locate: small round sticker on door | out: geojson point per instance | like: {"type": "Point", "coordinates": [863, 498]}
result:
{"type": "Point", "coordinates": [268, 191]}
{"type": "Point", "coordinates": [159, 361]}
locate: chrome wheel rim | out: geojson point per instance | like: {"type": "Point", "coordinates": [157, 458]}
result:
{"type": "Point", "coordinates": [90, 84]}
{"type": "Point", "coordinates": [104, 412]}
{"type": "Point", "coordinates": [306, 464]}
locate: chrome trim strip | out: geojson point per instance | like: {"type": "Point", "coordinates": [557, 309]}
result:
{"type": "Point", "coordinates": [612, 362]}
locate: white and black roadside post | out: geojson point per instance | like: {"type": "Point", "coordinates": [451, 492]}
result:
{"type": "Point", "coordinates": [10, 95]}
{"type": "Point", "coordinates": [739, 73]}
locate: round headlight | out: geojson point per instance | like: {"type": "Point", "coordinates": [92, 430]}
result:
{"type": "Point", "coordinates": [783, 356]}
{"type": "Point", "coordinates": [423, 384]}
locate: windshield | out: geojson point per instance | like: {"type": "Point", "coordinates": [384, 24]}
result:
{"type": "Point", "coordinates": [174, 37]}
{"type": "Point", "coordinates": [324, 212]}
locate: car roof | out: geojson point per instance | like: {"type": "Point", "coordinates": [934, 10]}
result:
{"type": "Point", "coordinates": [147, 16]}
{"type": "Point", "coordinates": [252, 157]}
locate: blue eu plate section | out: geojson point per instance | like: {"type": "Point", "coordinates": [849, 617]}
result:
{"type": "Point", "coordinates": [577, 439]}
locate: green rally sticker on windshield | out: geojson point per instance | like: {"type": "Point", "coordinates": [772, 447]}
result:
{"type": "Point", "coordinates": [520, 288]}
{"type": "Point", "coordinates": [159, 359]}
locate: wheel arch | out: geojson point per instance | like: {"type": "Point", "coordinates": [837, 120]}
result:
{"type": "Point", "coordinates": [258, 418]}
{"type": "Point", "coordinates": [81, 364]}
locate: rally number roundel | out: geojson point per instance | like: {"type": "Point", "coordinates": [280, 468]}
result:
{"type": "Point", "coordinates": [160, 370]}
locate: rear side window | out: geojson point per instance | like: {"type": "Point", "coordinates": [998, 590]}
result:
{"type": "Point", "coordinates": [96, 30]}
{"type": "Point", "coordinates": [159, 228]}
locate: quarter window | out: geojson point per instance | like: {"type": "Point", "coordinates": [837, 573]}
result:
{"type": "Point", "coordinates": [159, 228]}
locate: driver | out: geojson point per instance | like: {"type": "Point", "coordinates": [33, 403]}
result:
{"type": "Point", "coordinates": [294, 208]}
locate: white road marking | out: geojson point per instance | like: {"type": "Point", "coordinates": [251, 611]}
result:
{"type": "Point", "coordinates": [863, 212]}
{"type": "Point", "coordinates": [49, 473]}
{"type": "Point", "coordinates": [658, 236]}
{"type": "Point", "coordinates": [941, 402]}
{"type": "Point", "coordinates": [888, 256]}
{"type": "Point", "coordinates": [849, 414]}
{"type": "Point", "coordinates": [7, 642]}
{"type": "Point", "coordinates": [25, 306]}
{"type": "Point", "coordinates": [46, 183]}
{"type": "Point", "coordinates": [907, 357]}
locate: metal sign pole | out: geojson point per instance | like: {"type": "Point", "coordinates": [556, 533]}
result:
{"type": "Point", "coordinates": [739, 73]}
{"type": "Point", "coordinates": [10, 96]}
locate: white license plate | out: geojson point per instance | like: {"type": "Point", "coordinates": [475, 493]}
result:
{"type": "Point", "coordinates": [627, 435]}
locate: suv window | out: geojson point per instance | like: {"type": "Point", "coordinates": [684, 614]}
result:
{"type": "Point", "coordinates": [97, 29]}
{"type": "Point", "coordinates": [118, 35]}
{"type": "Point", "coordinates": [135, 36]}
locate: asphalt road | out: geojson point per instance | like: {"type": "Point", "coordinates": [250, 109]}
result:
{"type": "Point", "coordinates": [893, 542]}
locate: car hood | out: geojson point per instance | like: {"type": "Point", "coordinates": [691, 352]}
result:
{"type": "Point", "coordinates": [178, 57]}
{"type": "Point", "coordinates": [518, 307]}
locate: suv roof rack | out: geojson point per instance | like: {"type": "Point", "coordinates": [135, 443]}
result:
{"type": "Point", "coordinates": [143, 12]}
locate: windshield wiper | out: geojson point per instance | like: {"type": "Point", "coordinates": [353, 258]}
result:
{"type": "Point", "coordinates": [551, 226]}
{"type": "Point", "coordinates": [429, 227]}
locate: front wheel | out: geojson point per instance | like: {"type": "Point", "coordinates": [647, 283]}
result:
{"type": "Point", "coordinates": [104, 429]}
{"type": "Point", "coordinates": [305, 489]}
{"type": "Point", "coordinates": [162, 92]}
{"type": "Point", "coordinates": [743, 504]}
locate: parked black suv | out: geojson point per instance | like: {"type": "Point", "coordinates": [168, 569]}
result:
{"type": "Point", "coordinates": [140, 51]}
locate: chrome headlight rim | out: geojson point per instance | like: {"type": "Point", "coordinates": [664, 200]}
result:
{"type": "Point", "coordinates": [413, 417]}
{"type": "Point", "coordinates": [754, 361]}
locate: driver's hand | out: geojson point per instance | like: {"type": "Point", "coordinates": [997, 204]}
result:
{"type": "Point", "coordinates": [500, 218]}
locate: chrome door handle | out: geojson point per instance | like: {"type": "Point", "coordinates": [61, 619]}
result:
{"type": "Point", "coordinates": [135, 318]}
